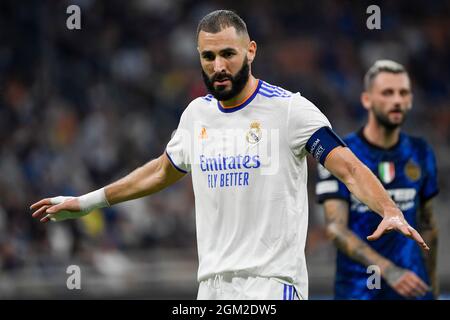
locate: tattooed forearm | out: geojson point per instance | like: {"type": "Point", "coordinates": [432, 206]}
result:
{"type": "Point", "coordinates": [429, 230]}
{"type": "Point", "coordinates": [392, 273]}
{"type": "Point", "coordinates": [348, 242]}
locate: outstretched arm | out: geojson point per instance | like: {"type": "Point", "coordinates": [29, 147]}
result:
{"type": "Point", "coordinates": [403, 281]}
{"type": "Point", "coordinates": [363, 184]}
{"type": "Point", "coordinates": [150, 178]}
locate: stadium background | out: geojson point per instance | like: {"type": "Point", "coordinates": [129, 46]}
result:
{"type": "Point", "coordinates": [81, 108]}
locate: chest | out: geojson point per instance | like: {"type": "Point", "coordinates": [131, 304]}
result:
{"type": "Point", "coordinates": [256, 130]}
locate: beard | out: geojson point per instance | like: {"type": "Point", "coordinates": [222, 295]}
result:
{"type": "Point", "coordinates": [238, 82]}
{"type": "Point", "coordinates": [383, 118]}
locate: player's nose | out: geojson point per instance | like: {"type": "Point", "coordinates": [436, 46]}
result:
{"type": "Point", "coordinates": [219, 65]}
{"type": "Point", "coordinates": [398, 99]}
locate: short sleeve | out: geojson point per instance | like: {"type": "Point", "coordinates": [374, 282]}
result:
{"type": "Point", "coordinates": [430, 185]}
{"type": "Point", "coordinates": [179, 147]}
{"type": "Point", "coordinates": [329, 187]}
{"type": "Point", "coordinates": [304, 119]}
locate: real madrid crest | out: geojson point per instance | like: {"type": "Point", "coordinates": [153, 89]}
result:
{"type": "Point", "coordinates": [254, 134]}
{"type": "Point", "coordinates": [412, 170]}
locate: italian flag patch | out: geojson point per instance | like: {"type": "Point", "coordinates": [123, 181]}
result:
{"type": "Point", "coordinates": [386, 171]}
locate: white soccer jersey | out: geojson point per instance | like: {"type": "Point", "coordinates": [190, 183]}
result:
{"type": "Point", "coordinates": [249, 175]}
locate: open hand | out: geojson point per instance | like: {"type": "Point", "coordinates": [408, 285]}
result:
{"type": "Point", "coordinates": [57, 209]}
{"type": "Point", "coordinates": [396, 221]}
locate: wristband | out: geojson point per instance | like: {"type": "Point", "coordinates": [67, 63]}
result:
{"type": "Point", "coordinates": [88, 202]}
{"type": "Point", "coordinates": [93, 200]}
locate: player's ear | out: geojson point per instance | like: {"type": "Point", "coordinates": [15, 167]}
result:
{"type": "Point", "coordinates": [251, 51]}
{"type": "Point", "coordinates": [365, 100]}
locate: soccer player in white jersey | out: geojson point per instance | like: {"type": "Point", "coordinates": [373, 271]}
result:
{"type": "Point", "coordinates": [245, 145]}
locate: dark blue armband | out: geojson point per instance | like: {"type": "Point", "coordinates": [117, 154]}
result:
{"type": "Point", "coordinates": [322, 142]}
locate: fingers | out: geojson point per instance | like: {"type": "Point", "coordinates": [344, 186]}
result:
{"type": "Point", "coordinates": [402, 226]}
{"type": "Point", "coordinates": [46, 218]}
{"type": "Point", "coordinates": [377, 233]}
{"type": "Point", "coordinates": [38, 213]}
{"type": "Point", "coordinates": [404, 290]}
{"type": "Point", "coordinates": [56, 208]}
{"type": "Point", "coordinates": [423, 287]}
{"type": "Point", "coordinates": [418, 238]}
{"type": "Point", "coordinates": [415, 286]}
{"type": "Point", "coordinates": [410, 232]}
{"type": "Point", "coordinates": [42, 206]}
{"type": "Point", "coordinates": [46, 201]}
{"type": "Point", "coordinates": [410, 285]}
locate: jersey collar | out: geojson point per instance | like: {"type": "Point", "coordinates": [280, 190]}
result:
{"type": "Point", "coordinates": [364, 139]}
{"type": "Point", "coordinates": [241, 105]}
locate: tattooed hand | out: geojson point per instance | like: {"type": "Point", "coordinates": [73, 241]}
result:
{"type": "Point", "coordinates": [405, 282]}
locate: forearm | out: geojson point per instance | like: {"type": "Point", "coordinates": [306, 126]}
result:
{"type": "Point", "coordinates": [429, 230]}
{"type": "Point", "coordinates": [365, 186]}
{"type": "Point", "coordinates": [336, 215]}
{"type": "Point", "coordinates": [360, 181]}
{"type": "Point", "coordinates": [355, 248]}
{"type": "Point", "coordinates": [145, 180]}
{"type": "Point", "coordinates": [431, 237]}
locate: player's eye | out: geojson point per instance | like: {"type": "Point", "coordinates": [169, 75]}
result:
{"type": "Point", "coordinates": [404, 93]}
{"type": "Point", "coordinates": [228, 54]}
{"type": "Point", "coordinates": [388, 93]}
{"type": "Point", "coordinates": [208, 56]}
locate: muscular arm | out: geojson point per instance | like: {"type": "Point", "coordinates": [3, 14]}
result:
{"type": "Point", "coordinates": [429, 230]}
{"type": "Point", "coordinates": [363, 184]}
{"type": "Point", "coordinates": [360, 181]}
{"type": "Point", "coordinates": [150, 178]}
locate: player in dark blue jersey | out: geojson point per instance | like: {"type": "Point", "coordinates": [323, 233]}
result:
{"type": "Point", "coordinates": [406, 167]}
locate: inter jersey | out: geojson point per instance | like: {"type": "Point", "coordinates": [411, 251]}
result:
{"type": "Point", "coordinates": [408, 173]}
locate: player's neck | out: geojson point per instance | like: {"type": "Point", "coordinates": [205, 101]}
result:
{"type": "Point", "coordinates": [249, 88]}
{"type": "Point", "coordinates": [380, 136]}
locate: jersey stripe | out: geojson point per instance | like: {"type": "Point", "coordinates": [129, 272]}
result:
{"type": "Point", "coordinates": [208, 97]}
{"type": "Point", "coordinates": [270, 91]}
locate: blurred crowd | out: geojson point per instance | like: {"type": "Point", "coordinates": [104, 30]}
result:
{"type": "Point", "coordinates": [81, 108]}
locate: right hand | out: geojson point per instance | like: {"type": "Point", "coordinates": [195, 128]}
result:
{"type": "Point", "coordinates": [57, 209]}
{"type": "Point", "coordinates": [405, 282]}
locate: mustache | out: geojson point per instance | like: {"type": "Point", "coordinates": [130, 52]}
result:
{"type": "Point", "coordinates": [221, 77]}
{"type": "Point", "coordinates": [397, 109]}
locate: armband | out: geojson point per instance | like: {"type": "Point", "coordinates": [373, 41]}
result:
{"type": "Point", "coordinates": [322, 142]}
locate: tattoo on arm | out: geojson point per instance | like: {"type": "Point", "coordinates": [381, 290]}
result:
{"type": "Point", "coordinates": [336, 212]}
{"type": "Point", "coordinates": [429, 230]}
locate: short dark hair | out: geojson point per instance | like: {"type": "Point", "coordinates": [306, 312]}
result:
{"type": "Point", "coordinates": [218, 20]}
{"type": "Point", "coordinates": [382, 66]}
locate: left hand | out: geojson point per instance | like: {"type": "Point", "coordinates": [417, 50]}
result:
{"type": "Point", "coordinates": [396, 221]}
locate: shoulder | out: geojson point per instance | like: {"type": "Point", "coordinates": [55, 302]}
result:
{"type": "Point", "coordinates": [272, 91]}
{"type": "Point", "coordinates": [199, 102]}
{"type": "Point", "coordinates": [416, 142]}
